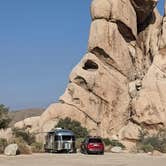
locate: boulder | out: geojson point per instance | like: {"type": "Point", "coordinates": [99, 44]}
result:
{"type": "Point", "coordinates": [11, 150]}
{"type": "Point", "coordinates": [116, 149]}
{"type": "Point", "coordinates": [100, 9]}
{"type": "Point", "coordinates": [130, 132]}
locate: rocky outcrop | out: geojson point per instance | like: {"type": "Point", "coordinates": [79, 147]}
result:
{"type": "Point", "coordinates": [119, 85]}
{"type": "Point", "coordinates": [27, 123]}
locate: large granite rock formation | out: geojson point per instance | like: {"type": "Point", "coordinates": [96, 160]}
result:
{"type": "Point", "coordinates": [119, 85]}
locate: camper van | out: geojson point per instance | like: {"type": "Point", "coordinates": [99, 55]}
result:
{"type": "Point", "coordinates": [60, 140]}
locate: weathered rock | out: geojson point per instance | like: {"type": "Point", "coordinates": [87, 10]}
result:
{"type": "Point", "coordinates": [100, 9]}
{"type": "Point", "coordinates": [134, 87]}
{"type": "Point", "coordinates": [130, 132]}
{"type": "Point", "coordinates": [163, 31]}
{"type": "Point", "coordinates": [105, 41]}
{"type": "Point", "coordinates": [107, 9]}
{"type": "Point", "coordinates": [27, 123]}
{"type": "Point", "coordinates": [11, 150]}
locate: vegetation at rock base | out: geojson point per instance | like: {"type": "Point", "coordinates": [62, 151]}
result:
{"type": "Point", "coordinates": [149, 143]}
{"type": "Point", "coordinates": [75, 126]}
{"type": "Point", "coordinates": [113, 143]}
{"type": "Point", "coordinates": [26, 141]}
{"type": "Point", "coordinates": [3, 144]}
{"type": "Point", "coordinates": [37, 147]}
{"type": "Point", "coordinates": [28, 137]}
{"type": "Point", "coordinates": [4, 118]}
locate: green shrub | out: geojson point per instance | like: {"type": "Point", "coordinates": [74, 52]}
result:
{"type": "Point", "coordinates": [3, 144]}
{"type": "Point", "coordinates": [117, 143]}
{"type": "Point", "coordinates": [78, 142]}
{"type": "Point", "coordinates": [4, 117]}
{"type": "Point", "coordinates": [37, 147]}
{"type": "Point", "coordinates": [147, 148]}
{"type": "Point", "coordinates": [73, 125]}
{"type": "Point", "coordinates": [25, 135]}
{"type": "Point", "coordinates": [148, 142]}
{"type": "Point", "coordinates": [108, 142]}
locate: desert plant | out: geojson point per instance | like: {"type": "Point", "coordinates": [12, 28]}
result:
{"type": "Point", "coordinates": [37, 147]}
{"type": "Point", "coordinates": [147, 148]}
{"type": "Point", "coordinates": [23, 148]}
{"type": "Point", "coordinates": [113, 143]}
{"type": "Point", "coordinates": [107, 141]}
{"type": "Point", "coordinates": [78, 142]}
{"type": "Point", "coordinates": [29, 138]}
{"type": "Point", "coordinates": [73, 125]}
{"type": "Point", "coordinates": [3, 144]}
{"type": "Point", "coordinates": [148, 142]}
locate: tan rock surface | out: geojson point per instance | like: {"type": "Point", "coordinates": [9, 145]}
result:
{"type": "Point", "coordinates": [27, 123]}
{"type": "Point", "coordinates": [107, 9]}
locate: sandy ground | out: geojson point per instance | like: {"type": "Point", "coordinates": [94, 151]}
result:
{"type": "Point", "coordinates": [84, 160]}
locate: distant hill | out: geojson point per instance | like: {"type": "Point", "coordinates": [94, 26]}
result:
{"type": "Point", "coordinates": [23, 114]}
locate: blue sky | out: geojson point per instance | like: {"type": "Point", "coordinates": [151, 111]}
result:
{"type": "Point", "coordinates": [40, 42]}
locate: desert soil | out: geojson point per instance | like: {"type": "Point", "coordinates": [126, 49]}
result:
{"type": "Point", "coordinates": [84, 160]}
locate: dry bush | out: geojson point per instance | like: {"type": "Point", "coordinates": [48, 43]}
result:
{"type": "Point", "coordinates": [37, 147]}
{"type": "Point", "coordinates": [3, 144]}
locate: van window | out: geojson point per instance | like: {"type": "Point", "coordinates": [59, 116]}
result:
{"type": "Point", "coordinates": [68, 138]}
{"type": "Point", "coordinates": [57, 138]}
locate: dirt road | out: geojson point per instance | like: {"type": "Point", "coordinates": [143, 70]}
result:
{"type": "Point", "coordinates": [84, 160]}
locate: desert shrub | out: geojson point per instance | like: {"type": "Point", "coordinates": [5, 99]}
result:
{"type": "Point", "coordinates": [73, 125]}
{"type": "Point", "coordinates": [23, 148]}
{"type": "Point", "coordinates": [3, 144]}
{"type": "Point", "coordinates": [107, 141]}
{"type": "Point", "coordinates": [29, 138]}
{"type": "Point", "coordinates": [147, 148]}
{"type": "Point", "coordinates": [78, 142]}
{"type": "Point", "coordinates": [117, 143]}
{"type": "Point", "coordinates": [113, 143]}
{"type": "Point", "coordinates": [148, 142]}
{"type": "Point", "coordinates": [4, 117]}
{"type": "Point", "coordinates": [37, 147]}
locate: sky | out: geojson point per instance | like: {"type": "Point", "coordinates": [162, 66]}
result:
{"type": "Point", "coordinates": [40, 42]}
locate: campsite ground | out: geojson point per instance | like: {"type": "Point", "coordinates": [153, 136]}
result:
{"type": "Point", "coordinates": [84, 160]}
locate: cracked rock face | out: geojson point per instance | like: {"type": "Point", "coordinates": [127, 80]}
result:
{"type": "Point", "coordinates": [120, 84]}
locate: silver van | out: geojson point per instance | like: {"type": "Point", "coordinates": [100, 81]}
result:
{"type": "Point", "coordinates": [60, 140]}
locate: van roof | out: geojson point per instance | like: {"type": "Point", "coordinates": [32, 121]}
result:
{"type": "Point", "coordinates": [62, 132]}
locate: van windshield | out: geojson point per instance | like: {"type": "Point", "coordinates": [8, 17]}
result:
{"type": "Point", "coordinates": [68, 138]}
